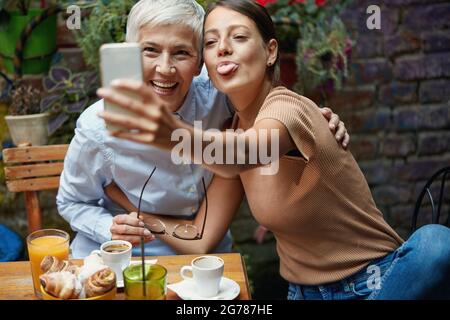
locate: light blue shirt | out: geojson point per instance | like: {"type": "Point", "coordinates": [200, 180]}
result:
{"type": "Point", "coordinates": [95, 159]}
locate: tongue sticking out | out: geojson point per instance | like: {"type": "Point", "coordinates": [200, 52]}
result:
{"type": "Point", "coordinates": [226, 69]}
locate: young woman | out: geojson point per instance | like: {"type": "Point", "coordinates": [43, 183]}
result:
{"type": "Point", "coordinates": [332, 241]}
{"type": "Point", "coordinates": [170, 33]}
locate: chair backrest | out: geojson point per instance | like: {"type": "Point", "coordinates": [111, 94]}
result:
{"type": "Point", "coordinates": [436, 202]}
{"type": "Point", "coordinates": [31, 169]}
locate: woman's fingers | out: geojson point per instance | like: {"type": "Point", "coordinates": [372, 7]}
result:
{"type": "Point", "coordinates": [334, 122]}
{"type": "Point", "coordinates": [341, 131]}
{"type": "Point", "coordinates": [129, 219]}
{"type": "Point", "coordinates": [134, 105]}
{"type": "Point", "coordinates": [120, 99]}
{"type": "Point", "coordinates": [151, 124]}
{"type": "Point", "coordinates": [128, 227]}
{"type": "Point", "coordinates": [135, 87]}
{"type": "Point", "coordinates": [125, 229]}
{"type": "Point", "coordinates": [147, 132]}
{"type": "Point", "coordinates": [129, 122]}
{"type": "Point", "coordinates": [333, 119]}
{"type": "Point", "coordinates": [259, 234]}
{"type": "Point", "coordinates": [346, 140]}
{"type": "Point", "coordinates": [148, 118]}
{"type": "Point", "coordinates": [326, 112]}
{"type": "Point", "coordinates": [136, 137]}
{"type": "Point", "coordinates": [342, 135]}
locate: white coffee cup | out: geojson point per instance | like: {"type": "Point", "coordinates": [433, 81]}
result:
{"type": "Point", "coordinates": [207, 271]}
{"type": "Point", "coordinates": [116, 254]}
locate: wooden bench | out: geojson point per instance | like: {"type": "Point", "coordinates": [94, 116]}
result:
{"type": "Point", "coordinates": [31, 169]}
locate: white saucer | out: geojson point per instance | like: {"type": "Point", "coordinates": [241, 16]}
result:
{"type": "Point", "coordinates": [186, 290]}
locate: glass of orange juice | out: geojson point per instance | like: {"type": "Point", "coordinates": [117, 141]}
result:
{"type": "Point", "coordinates": [47, 242]}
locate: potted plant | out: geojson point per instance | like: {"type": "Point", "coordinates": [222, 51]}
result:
{"type": "Point", "coordinates": [28, 33]}
{"type": "Point", "coordinates": [25, 121]}
{"type": "Point", "coordinates": [68, 94]}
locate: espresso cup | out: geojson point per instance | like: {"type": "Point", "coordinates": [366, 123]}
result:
{"type": "Point", "coordinates": [116, 254]}
{"type": "Point", "coordinates": [207, 271]}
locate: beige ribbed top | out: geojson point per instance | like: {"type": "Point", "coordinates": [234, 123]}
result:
{"type": "Point", "coordinates": [318, 206]}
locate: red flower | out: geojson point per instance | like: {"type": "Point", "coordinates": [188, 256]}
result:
{"type": "Point", "coordinates": [320, 3]}
{"type": "Point", "coordinates": [265, 2]}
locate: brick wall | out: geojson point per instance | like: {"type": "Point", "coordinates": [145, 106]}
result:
{"type": "Point", "coordinates": [396, 108]}
{"type": "Point", "coordinates": [400, 125]}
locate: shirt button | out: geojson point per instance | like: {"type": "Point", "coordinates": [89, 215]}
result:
{"type": "Point", "coordinates": [193, 210]}
{"type": "Point", "coordinates": [192, 189]}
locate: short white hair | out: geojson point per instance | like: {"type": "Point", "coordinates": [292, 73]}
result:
{"type": "Point", "coordinates": [166, 12]}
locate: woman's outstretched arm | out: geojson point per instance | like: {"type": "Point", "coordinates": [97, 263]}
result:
{"type": "Point", "coordinates": [237, 151]}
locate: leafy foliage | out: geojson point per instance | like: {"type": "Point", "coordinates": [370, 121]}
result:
{"type": "Point", "coordinates": [6, 6]}
{"type": "Point", "coordinates": [21, 5]}
{"type": "Point", "coordinates": [69, 95]}
{"type": "Point", "coordinates": [314, 31]}
{"type": "Point", "coordinates": [105, 24]}
{"type": "Point", "coordinates": [322, 56]}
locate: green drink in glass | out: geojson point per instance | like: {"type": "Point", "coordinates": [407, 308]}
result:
{"type": "Point", "coordinates": [155, 282]}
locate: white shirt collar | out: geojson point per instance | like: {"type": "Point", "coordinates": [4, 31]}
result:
{"type": "Point", "coordinates": [188, 109]}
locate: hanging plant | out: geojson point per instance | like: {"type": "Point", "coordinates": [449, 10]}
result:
{"type": "Point", "coordinates": [323, 53]}
{"type": "Point", "coordinates": [313, 30]}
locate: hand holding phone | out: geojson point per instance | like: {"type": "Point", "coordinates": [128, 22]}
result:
{"type": "Point", "coordinates": [120, 61]}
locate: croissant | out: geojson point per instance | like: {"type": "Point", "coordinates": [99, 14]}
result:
{"type": "Point", "coordinates": [62, 284]}
{"type": "Point", "coordinates": [92, 264]}
{"type": "Point", "coordinates": [52, 264]}
{"type": "Point", "coordinates": [72, 268]}
{"type": "Point", "coordinates": [100, 282]}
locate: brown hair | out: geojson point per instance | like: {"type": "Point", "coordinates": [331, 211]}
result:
{"type": "Point", "coordinates": [259, 15]}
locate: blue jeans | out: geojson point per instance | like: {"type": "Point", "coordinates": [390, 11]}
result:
{"type": "Point", "coordinates": [418, 269]}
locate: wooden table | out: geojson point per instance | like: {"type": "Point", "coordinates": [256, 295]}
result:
{"type": "Point", "coordinates": [16, 282]}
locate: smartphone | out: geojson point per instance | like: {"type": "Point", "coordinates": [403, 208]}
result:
{"type": "Point", "coordinates": [120, 61]}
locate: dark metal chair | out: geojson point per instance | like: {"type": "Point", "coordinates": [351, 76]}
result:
{"type": "Point", "coordinates": [442, 175]}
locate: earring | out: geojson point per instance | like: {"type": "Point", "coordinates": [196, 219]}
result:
{"type": "Point", "coordinates": [269, 64]}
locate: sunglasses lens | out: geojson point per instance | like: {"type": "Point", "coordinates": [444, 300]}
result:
{"type": "Point", "coordinates": [186, 231]}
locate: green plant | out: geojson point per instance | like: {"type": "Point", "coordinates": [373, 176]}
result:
{"type": "Point", "coordinates": [69, 95]}
{"type": "Point", "coordinates": [7, 5]}
{"type": "Point", "coordinates": [106, 23]}
{"type": "Point", "coordinates": [314, 31]}
{"type": "Point", "coordinates": [22, 6]}
{"type": "Point", "coordinates": [24, 99]}
{"type": "Point", "coordinates": [322, 57]}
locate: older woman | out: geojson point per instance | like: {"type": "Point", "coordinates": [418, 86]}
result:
{"type": "Point", "coordinates": [332, 241]}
